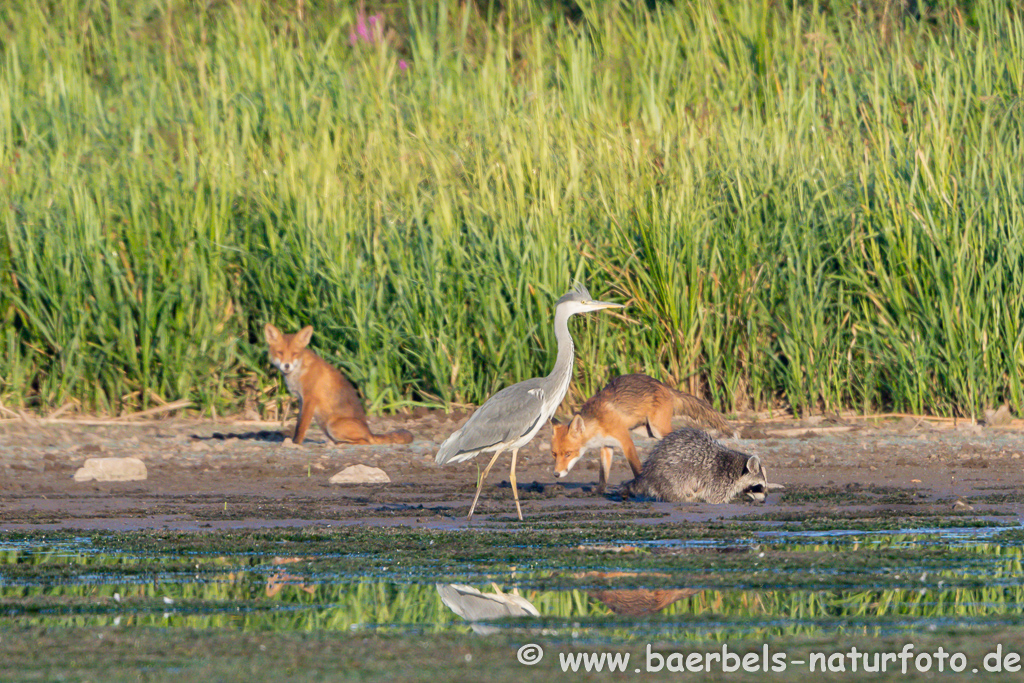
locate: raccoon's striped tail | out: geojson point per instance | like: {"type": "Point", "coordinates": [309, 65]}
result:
{"type": "Point", "coordinates": [700, 411]}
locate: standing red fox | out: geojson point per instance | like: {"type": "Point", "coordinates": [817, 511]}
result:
{"type": "Point", "coordinates": [607, 417]}
{"type": "Point", "coordinates": [323, 392]}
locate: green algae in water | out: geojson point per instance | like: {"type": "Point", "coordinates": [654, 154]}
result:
{"type": "Point", "coordinates": [764, 583]}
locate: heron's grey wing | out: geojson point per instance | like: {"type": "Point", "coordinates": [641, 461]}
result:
{"type": "Point", "coordinates": [504, 417]}
{"type": "Point", "coordinates": [473, 605]}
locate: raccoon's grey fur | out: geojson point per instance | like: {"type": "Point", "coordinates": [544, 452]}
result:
{"type": "Point", "coordinates": [689, 466]}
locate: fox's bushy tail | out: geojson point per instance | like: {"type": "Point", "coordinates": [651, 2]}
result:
{"type": "Point", "coordinates": [398, 436]}
{"type": "Point", "coordinates": [699, 410]}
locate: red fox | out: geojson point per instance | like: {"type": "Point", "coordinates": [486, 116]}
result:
{"type": "Point", "coordinates": [607, 417]}
{"type": "Point", "coordinates": [323, 392]}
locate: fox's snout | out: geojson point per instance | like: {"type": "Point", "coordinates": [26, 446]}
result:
{"type": "Point", "coordinates": [563, 464]}
{"type": "Point", "coordinates": [285, 366]}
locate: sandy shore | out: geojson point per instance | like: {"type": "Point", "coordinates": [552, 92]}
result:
{"type": "Point", "coordinates": [210, 475]}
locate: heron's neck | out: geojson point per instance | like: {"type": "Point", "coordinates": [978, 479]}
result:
{"type": "Point", "coordinates": [562, 372]}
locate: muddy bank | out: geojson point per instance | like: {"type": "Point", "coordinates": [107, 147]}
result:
{"type": "Point", "coordinates": [320, 657]}
{"type": "Point", "coordinates": [230, 475]}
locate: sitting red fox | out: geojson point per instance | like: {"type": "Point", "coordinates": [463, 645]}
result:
{"type": "Point", "coordinates": [323, 392]}
{"type": "Point", "coordinates": [607, 417]}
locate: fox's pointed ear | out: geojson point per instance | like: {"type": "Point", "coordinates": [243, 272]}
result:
{"type": "Point", "coordinates": [754, 464]}
{"type": "Point", "coordinates": [272, 334]}
{"type": "Point", "coordinates": [576, 426]}
{"type": "Point", "coordinates": [303, 336]}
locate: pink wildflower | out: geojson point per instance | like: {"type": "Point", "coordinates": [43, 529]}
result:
{"type": "Point", "coordinates": [368, 29]}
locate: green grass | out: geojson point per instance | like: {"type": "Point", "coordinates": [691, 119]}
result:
{"type": "Point", "coordinates": [803, 206]}
{"type": "Point", "coordinates": [878, 583]}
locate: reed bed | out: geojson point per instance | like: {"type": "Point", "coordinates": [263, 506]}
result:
{"type": "Point", "coordinates": [711, 615]}
{"type": "Point", "coordinates": [804, 207]}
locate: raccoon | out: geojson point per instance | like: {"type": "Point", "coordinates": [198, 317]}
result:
{"type": "Point", "coordinates": [689, 466]}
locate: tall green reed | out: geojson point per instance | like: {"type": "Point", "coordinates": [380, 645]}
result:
{"type": "Point", "coordinates": [818, 209]}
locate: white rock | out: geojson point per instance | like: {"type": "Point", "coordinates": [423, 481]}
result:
{"type": "Point", "coordinates": [361, 474]}
{"type": "Point", "coordinates": [999, 417]}
{"type": "Point", "coordinates": [112, 469]}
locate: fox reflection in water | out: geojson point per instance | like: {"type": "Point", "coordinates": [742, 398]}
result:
{"type": "Point", "coordinates": [641, 601]}
{"type": "Point", "coordinates": [636, 602]}
{"type": "Point", "coordinates": [281, 578]}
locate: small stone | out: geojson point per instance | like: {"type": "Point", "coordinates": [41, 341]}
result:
{"type": "Point", "coordinates": [361, 474]}
{"type": "Point", "coordinates": [968, 428]}
{"type": "Point", "coordinates": [111, 469]}
{"type": "Point", "coordinates": [752, 432]}
{"type": "Point", "coordinates": [998, 417]}
{"type": "Point", "coordinates": [908, 424]}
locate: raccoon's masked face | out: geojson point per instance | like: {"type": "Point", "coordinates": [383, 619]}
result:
{"type": "Point", "coordinates": [756, 492]}
{"type": "Point", "coordinates": [754, 482]}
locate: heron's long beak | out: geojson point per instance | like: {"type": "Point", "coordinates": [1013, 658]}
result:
{"type": "Point", "coordinates": [598, 305]}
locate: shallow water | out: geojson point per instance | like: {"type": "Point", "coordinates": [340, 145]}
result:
{"type": "Point", "coordinates": [759, 584]}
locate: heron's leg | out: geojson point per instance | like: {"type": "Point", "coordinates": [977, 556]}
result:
{"type": "Point", "coordinates": [481, 484]}
{"type": "Point", "coordinates": [515, 489]}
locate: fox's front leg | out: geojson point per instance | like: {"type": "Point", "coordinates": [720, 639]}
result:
{"type": "Point", "coordinates": [306, 410]}
{"type": "Point", "coordinates": [629, 450]}
{"type": "Point", "coordinates": [606, 468]}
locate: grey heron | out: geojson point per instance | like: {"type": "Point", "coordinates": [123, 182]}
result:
{"type": "Point", "coordinates": [475, 606]}
{"type": "Point", "coordinates": [509, 419]}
